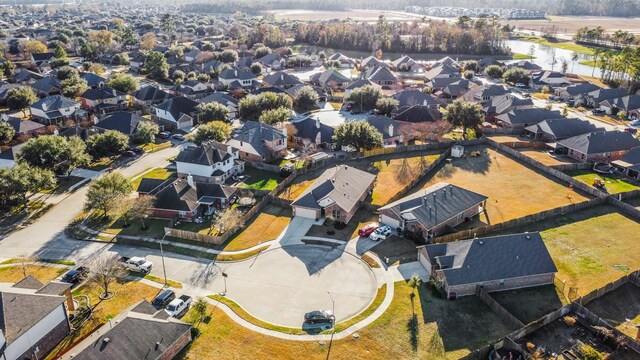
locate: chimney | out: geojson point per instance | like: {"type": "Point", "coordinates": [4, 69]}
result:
{"type": "Point", "coordinates": [390, 130]}
{"type": "Point", "coordinates": [229, 150]}
{"type": "Point", "coordinates": [424, 102]}
{"type": "Point", "coordinates": [236, 73]}
{"type": "Point", "coordinates": [190, 180]}
{"type": "Point", "coordinates": [451, 190]}
{"type": "Point", "coordinates": [284, 131]}
{"type": "Point", "coordinates": [44, 106]}
{"type": "Point", "coordinates": [424, 202]}
{"type": "Point", "coordinates": [318, 122]}
{"type": "Point", "coordinates": [115, 94]}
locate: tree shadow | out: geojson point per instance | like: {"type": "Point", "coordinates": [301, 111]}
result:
{"type": "Point", "coordinates": [414, 331]}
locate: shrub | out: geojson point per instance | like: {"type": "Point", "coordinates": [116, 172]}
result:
{"type": "Point", "coordinates": [569, 320]}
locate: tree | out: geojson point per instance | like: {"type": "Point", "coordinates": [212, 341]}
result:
{"type": "Point", "coordinates": [105, 269]}
{"type": "Point", "coordinates": [467, 115]}
{"type": "Point", "coordinates": [228, 56]}
{"type": "Point", "coordinates": [124, 83]}
{"type": "Point", "coordinates": [275, 116]}
{"type": "Point", "coordinates": [256, 69]}
{"type": "Point", "coordinates": [34, 47]}
{"type": "Point", "coordinates": [468, 74]}
{"type": "Point", "coordinates": [471, 65]}
{"type": "Point", "coordinates": [168, 24]}
{"type": "Point", "coordinates": [261, 51]}
{"type": "Point", "coordinates": [106, 192]}
{"type": "Point", "coordinates": [66, 72]}
{"type": "Point", "coordinates": [495, 71]}
{"type": "Point", "coordinates": [109, 143]}
{"type": "Point", "coordinates": [6, 132]}
{"type": "Point", "coordinates": [516, 75]}
{"type": "Point", "coordinates": [148, 41]}
{"type": "Point", "coordinates": [178, 76]}
{"type": "Point", "coordinates": [359, 135]}
{"type": "Point", "coordinates": [76, 154]}
{"type": "Point", "coordinates": [386, 105]}
{"type": "Point", "coordinates": [23, 179]}
{"type": "Point", "coordinates": [7, 68]}
{"type": "Point", "coordinates": [59, 53]}
{"type": "Point", "coordinates": [564, 65]}
{"type": "Point", "coordinates": [212, 112]}
{"type": "Point", "coordinates": [120, 59]}
{"type": "Point", "coordinates": [146, 132]}
{"type": "Point", "coordinates": [365, 97]}
{"type": "Point", "coordinates": [252, 106]}
{"type": "Point", "coordinates": [96, 68]}
{"type": "Point", "coordinates": [21, 98]}
{"type": "Point", "coordinates": [73, 86]}
{"type": "Point", "coordinates": [156, 66]}
{"type": "Point", "coordinates": [199, 311]}
{"type": "Point", "coordinates": [204, 78]}
{"type": "Point", "coordinates": [306, 98]}
{"type": "Point", "coordinates": [46, 152]}
{"type": "Point", "coordinates": [215, 130]}
{"type": "Point", "coordinates": [141, 209]}
{"type": "Point", "coordinates": [425, 131]}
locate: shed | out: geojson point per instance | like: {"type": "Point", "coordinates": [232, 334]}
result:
{"type": "Point", "coordinates": [457, 151]}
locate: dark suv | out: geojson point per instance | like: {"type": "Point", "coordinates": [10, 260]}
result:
{"type": "Point", "coordinates": [76, 275]}
{"type": "Point", "coordinates": [319, 316]}
{"type": "Point", "coordinates": [163, 299]}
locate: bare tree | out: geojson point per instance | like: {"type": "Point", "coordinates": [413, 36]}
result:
{"type": "Point", "coordinates": [141, 208]}
{"type": "Point", "coordinates": [405, 172]}
{"type": "Point", "coordinates": [229, 220]}
{"type": "Point", "coordinates": [104, 271]}
{"type": "Point", "coordinates": [25, 261]}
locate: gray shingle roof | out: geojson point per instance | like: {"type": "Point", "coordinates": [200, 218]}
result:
{"type": "Point", "coordinates": [281, 78]}
{"type": "Point", "coordinates": [55, 102]}
{"type": "Point", "coordinates": [308, 129]}
{"type": "Point", "coordinates": [528, 116]}
{"type": "Point", "coordinates": [599, 142]}
{"type": "Point", "coordinates": [415, 97]}
{"type": "Point", "coordinates": [19, 312]}
{"type": "Point", "coordinates": [178, 106]}
{"type": "Point", "coordinates": [434, 205]}
{"type": "Point", "coordinates": [418, 113]}
{"type": "Point", "coordinates": [124, 122]}
{"type": "Point", "coordinates": [101, 93]}
{"type": "Point", "coordinates": [342, 185]}
{"type": "Point", "coordinates": [562, 128]}
{"type": "Point", "coordinates": [252, 135]}
{"type": "Point", "coordinates": [208, 153]}
{"type": "Point", "coordinates": [380, 73]}
{"type": "Point", "coordinates": [494, 258]}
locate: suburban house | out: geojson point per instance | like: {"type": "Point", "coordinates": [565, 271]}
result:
{"type": "Point", "coordinates": [342, 61]}
{"type": "Point", "coordinates": [281, 80]}
{"type": "Point", "coordinates": [259, 142]}
{"type": "Point", "coordinates": [357, 85]}
{"type": "Point", "coordinates": [503, 104]}
{"type": "Point", "coordinates": [629, 104]}
{"type": "Point", "coordinates": [33, 318]}
{"type": "Point", "coordinates": [293, 92]}
{"type": "Point", "coordinates": [10, 156]}
{"type": "Point", "coordinates": [210, 162]}
{"type": "Point", "coordinates": [629, 164]}
{"type": "Point", "coordinates": [594, 98]}
{"type": "Point", "coordinates": [520, 119]}
{"type": "Point", "coordinates": [184, 198]}
{"type": "Point", "coordinates": [23, 127]}
{"type": "Point", "coordinates": [485, 93]}
{"type": "Point", "coordinates": [238, 78]}
{"type": "Point", "coordinates": [46, 86]}
{"type": "Point", "coordinates": [313, 131]}
{"type": "Point", "coordinates": [553, 130]}
{"type": "Point", "coordinates": [407, 98]}
{"type": "Point", "coordinates": [371, 61]}
{"type": "Point", "coordinates": [25, 76]}
{"type": "Point", "coordinates": [122, 121]}
{"type": "Point", "coordinates": [192, 89]}
{"type": "Point", "coordinates": [407, 64]}
{"type": "Point", "coordinates": [597, 146]}
{"type": "Point", "coordinates": [272, 61]}
{"type": "Point", "coordinates": [4, 91]}
{"type": "Point", "coordinates": [93, 80]}
{"type": "Point", "coordinates": [104, 100]}
{"type": "Point", "coordinates": [495, 263]}
{"type": "Point", "coordinates": [417, 113]}
{"type": "Point", "coordinates": [553, 79]}
{"type": "Point", "coordinates": [150, 95]}
{"type": "Point", "coordinates": [178, 112]}
{"type": "Point", "coordinates": [433, 210]}
{"type": "Point", "coordinates": [42, 60]}
{"type": "Point", "coordinates": [338, 193]}
{"type": "Point", "coordinates": [137, 333]}
{"type": "Point", "coordinates": [380, 75]}
{"type": "Point", "coordinates": [389, 128]}
{"type": "Point", "coordinates": [54, 110]}
{"type": "Point", "coordinates": [453, 90]}
{"type": "Point", "coordinates": [330, 79]}
{"type": "Point", "coordinates": [526, 65]}
{"type": "Point", "coordinates": [575, 91]}
{"type": "Point", "coordinates": [227, 100]}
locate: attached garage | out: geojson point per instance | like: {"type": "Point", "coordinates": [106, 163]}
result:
{"type": "Point", "coordinates": [306, 212]}
{"type": "Point", "coordinates": [388, 220]}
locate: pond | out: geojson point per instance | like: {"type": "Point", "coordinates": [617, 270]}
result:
{"type": "Point", "coordinates": [544, 54]}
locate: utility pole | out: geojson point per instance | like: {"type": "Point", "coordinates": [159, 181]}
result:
{"type": "Point", "coordinates": [333, 310]}
{"type": "Point", "coordinates": [164, 268]}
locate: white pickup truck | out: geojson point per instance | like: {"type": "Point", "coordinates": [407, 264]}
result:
{"type": "Point", "coordinates": [178, 306]}
{"type": "Point", "coordinates": [136, 263]}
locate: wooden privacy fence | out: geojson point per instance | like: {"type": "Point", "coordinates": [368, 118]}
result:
{"type": "Point", "coordinates": [498, 309]}
{"type": "Point", "coordinates": [484, 230]}
{"type": "Point", "coordinates": [633, 277]}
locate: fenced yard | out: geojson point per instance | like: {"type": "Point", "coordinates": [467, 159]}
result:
{"type": "Point", "coordinates": [620, 308]}
{"type": "Point", "coordinates": [546, 159]}
{"type": "Point", "coordinates": [531, 303]}
{"type": "Point", "coordinates": [614, 184]}
{"type": "Point", "coordinates": [514, 189]}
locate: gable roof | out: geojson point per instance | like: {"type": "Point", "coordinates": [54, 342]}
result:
{"type": "Point", "coordinates": [627, 103]}
{"type": "Point", "coordinates": [630, 160]}
{"type": "Point", "coordinates": [151, 93]}
{"type": "Point", "coordinates": [562, 128]}
{"type": "Point", "coordinates": [24, 126]}
{"type": "Point", "coordinates": [314, 130]}
{"type": "Point", "coordinates": [417, 113]}
{"type": "Point", "coordinates": [330, 75]}
{"type": "Point", "coordinates": [579, 89]}
{"type": "Point", "coordinates": [281, 78]}
{"type": "Point", "coordinates": [101, 93]}
{"type": "Point", "coordinates": [237, 74]}
{"type": "Point", "coordinates": [179, 196]}
{"type": "Point", "coordinates": [528, 116]}
{"type": "Point", "coordinates": [599, 142]}
{"type": "Point", "coordinates": [46, 84]}
{"type": "Point", "coordinates": [435, 204]}
{"type": "Point", "coordinates": [604, 94]}
{"type": "Point", "coordinates": [493, 258]}
{"type": "Point", "coordinates": [122, 121]}
{"type": "Point", "coordinates": [20, 311]}
{"type": "Point", "coordinates": [178, 105]}
{"type": "Point", "coordinates": [341, 185]}
{"type": "Point", "coordinates": [220, 98]}
{"type": "Point", "coordinates": [251, 137]}
{"type": "Point", "coordinates": [208, 153]}
{"type": "Point", "coordinates": [54, 103]}
{"type": "Point", "coordinates": [479, 93]}
{"type": "Point", "coordinates": [380, 73]}
{"type": "Point", "coordinates": [93, 79]}
{"type": "Point", "coordinates": [505, 103]}
{"type": "Point", "coordinates": [415, 97]}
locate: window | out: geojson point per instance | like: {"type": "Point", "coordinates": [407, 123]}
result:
{"type": "Point", "coordinates": [335, 213]}
{"type": "Point", "coordinates": [182, 214]}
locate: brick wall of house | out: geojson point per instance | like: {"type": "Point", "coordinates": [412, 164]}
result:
{"type": "Point", "coordinates": [495, 285]}
{"type": "Point", "coordinates": [176, 347]}
{"type": "Point", "coordinates": [416, 227]}
{"type": "Point", "coordinates": [170, 214]}
{"type": "Point", "coordinates": [49, 341]}
{"type": "Point", "coordinates": [249, 157]}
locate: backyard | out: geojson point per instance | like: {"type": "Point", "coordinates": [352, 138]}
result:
{"type": "Point", "coordinates": [545, 158]}
{"type": "Point", "coordinates": [531, 304]}
{"type": "Point", "coordinates": [260, 179]}
{"type": "Point", "coordinates": [614, 184]}
{"type": "Point", "coordinates": [514, 190]}
{"type": "Point", "coordinates": [435, 333]}
{"type": "Point", "coordinates": [620, 308]}
{"type": "Point", "coordinates": [591, 247]}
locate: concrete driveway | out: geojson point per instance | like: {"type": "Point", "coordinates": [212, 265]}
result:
{"type": "Point", "coordinates": [281, 285]}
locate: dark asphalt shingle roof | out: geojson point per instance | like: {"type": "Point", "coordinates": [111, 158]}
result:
{"type": "Point", "coordinates": [55, 102]}
{"type": "Point", "coordinates": [28, 282]}
{"type": "Point", "coordinates": [179, 196]}
{"type": "Point", "coordinates": [178, 106]}
{"type": "Point", "coordinates": [599, 142]}
{"type": "Point", "coordinates": [19, 312]}
{"type": "Point", "coordinates": [434, 205]}
{"type": "Point", "coordinates": [342, 185]}
{"type": "Point", "coordinates": [24, 126]}
{"type": "Point", "coordinates": [207, 153]}
{"type": "Point", "coordinates": [251, 137]}
{"type": "Point", "coordinates": [380, 73]}
{"type": "Point", "coordinates": [124, 122]}
{"type": "Point", "coordinates": [101, 93]}
{"type": "Point", "coordinates": [528, 116]}
{"type": "Point", "coordinates": [418, 113]}
{"type": "Point", "coordinates": [493, 258]}
{"type": "Point", "coordinates": [54, 288]}
{"type": "Point", "coordinates": [415, 97]}
{"type": "Point", "coordinates": [308, 129]}
{"type": "Point", "coordinates": [281, 78]}
{"type": "Point", "coordinates": [562, 128]}
{"type": "Point", "coordinates": [151, 93]}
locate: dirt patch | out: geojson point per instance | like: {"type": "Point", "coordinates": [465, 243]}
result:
{"type": "Point", "coordinates": [545, 158]}
{"type": "Point", "coordinates": [514, 190]}
{"type": "Point", "coordinates": [620, 308]}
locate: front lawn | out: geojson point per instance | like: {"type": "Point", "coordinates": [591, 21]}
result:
{"type": "Point", "coordinates": [156, 173]}
{"type": "Point", "coordinates": [155, 228]}
{"type": "Point", "coordinates": [260, 179]}
{"type": "Point", "coordinates": [350, 231]}
{"type": "Point", "coordinates": [266, 226]}
{"type": "Point", "coordinates": [44, 274]}
{"type": "Point", "coordinates": [614, 184]}
{"type": "Point", "coordinates": [397, 250]}
{"type": "Point", "coordinates": [430, 328]}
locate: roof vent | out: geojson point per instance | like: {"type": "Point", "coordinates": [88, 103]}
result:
{"type": "Point", "coordinates": [481, 242]}
{"type": "Point", "coordinates": [157, 344]}
{"type": "Point", "coordinates": [106, 340]}
{"type": "Point", "coordinates": [528, 237]}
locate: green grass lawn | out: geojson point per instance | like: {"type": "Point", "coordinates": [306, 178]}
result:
{"type": "Point", "coordinates": [260, 179]}
{"type": "Point", "coordinates": [518, 56]}
{"type": "Point", "coordinates": [155, 228]}
{"type": "Point", "coordinates": [614, 184]}
{"type": "Point", "coordinates": [566, 45]}
{"type": "Point", "coordinates": [157, 173]}
{"type": "Point", "coordinates": [589, 63]}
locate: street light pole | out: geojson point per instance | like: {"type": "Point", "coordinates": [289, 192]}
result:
{"type": "Point", "coordinates": [333, 310]}
{"type": "Point", "coordinates": [164, 269]}
{"type": "Point", "coordinates": [224, 277]}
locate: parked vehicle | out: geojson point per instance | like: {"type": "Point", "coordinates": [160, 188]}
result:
{"type": "Point", "coordinates": [136, 263]}
{"type": "Point", "coordinates": [179, 137]}
{"type": "Point", "coordinates": [163, 299]}
{"type": "Point", "coordinates": [138, 150]}
{"type": "Point", "coordinates": [597, 111]}
{"type": "Point", "coordinates": [521, 86]}
{"type": "Point", "coordinates": [381, 233]}
{"type": "Point", "coordinates": [129, 153]}
{"type": "Point", "coordinates": [76, 275]}
{"type": "Point", "coordinates": [164, 134]}
{"type": "Point", "coordinates": [178, 306]}
{"type": "Point", "coordinates": [321, 316]}
{"type": "Point", "coordinates": [368, 229]}
{"type": "Point", "coordinates": [526, 95]}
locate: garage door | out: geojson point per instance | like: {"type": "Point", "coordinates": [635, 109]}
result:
{"type": "Point", "coordinates": [305, 212]}
{"type": "Point", "coordinates": [386, 220]}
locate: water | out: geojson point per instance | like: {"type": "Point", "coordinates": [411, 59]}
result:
{"type": "Point", "coordinates": [544, 54]}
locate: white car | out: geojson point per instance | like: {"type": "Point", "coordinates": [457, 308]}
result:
{"type": "Point", "coordinates": [138, 264]}
{"type": "Point", "coordinates": [381, 233]}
